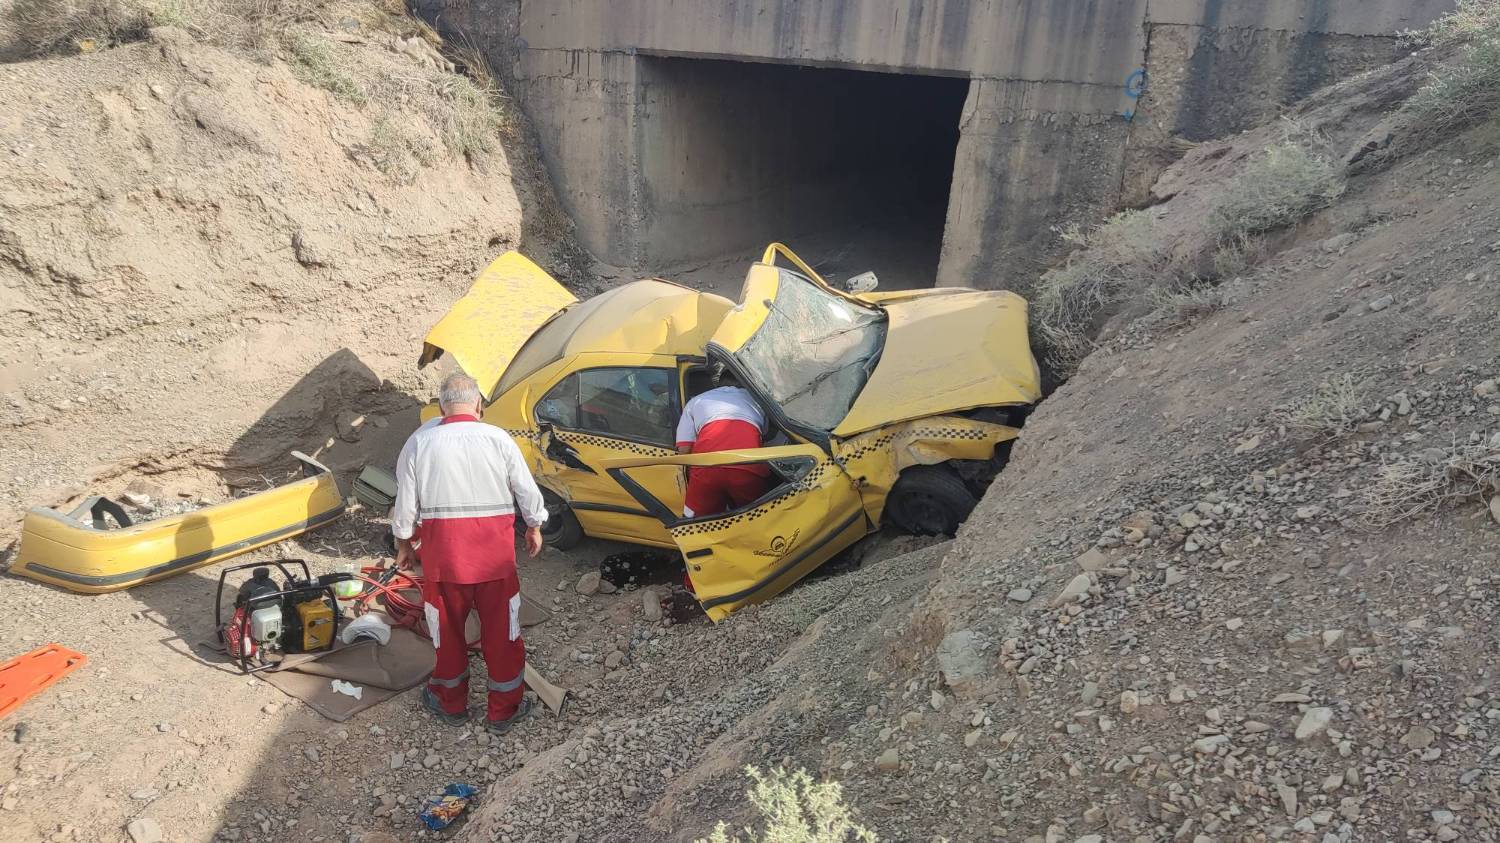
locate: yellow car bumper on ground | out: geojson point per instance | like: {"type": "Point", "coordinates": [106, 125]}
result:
{"type": "Point", "coordinates": [62, 550]}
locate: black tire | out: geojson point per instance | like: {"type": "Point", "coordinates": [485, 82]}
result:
{"type": "Point", "coordinates": [562, 529]}
{"type": "Point", "coordinates": [929, 500]}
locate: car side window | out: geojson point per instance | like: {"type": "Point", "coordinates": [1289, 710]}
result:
{"type": "Point", "coordinates": [620, 402]}
{"type": "Point", "coordinates": [560, 405]}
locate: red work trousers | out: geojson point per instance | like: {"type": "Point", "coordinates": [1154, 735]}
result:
{"type": "Point", "coordinates": [714, 489]}
{"type": "Point", "coordinates": [498, 603]}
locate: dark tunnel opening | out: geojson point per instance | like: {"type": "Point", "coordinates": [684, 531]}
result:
{"type": "Point", "coordinates": [850, 168]}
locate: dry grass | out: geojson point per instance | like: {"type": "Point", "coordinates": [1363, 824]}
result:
{"type": "Point", "coordinates": [795, 809]}
{"type": "Point", "coordinates": [45, 27]}
{"type": "Point", "coordinates": [50, 27]}
{"type": "Point", "coordinates": [394, 150]}
{"type": "Point", "coordinates": [314, 62]}
{"type": "Point", "coordinates": [1187, 304]}
{"type": "Point", "coordinates": [1276, 188]}
{"type": "Point", "coordinates": [1121, 258]}
{"type": "Point", "coordinates": [1409, 487]}
{"type": "Point", "coordinates": [1334, 409]}
{"type": "Point", "coordinates": [1460, 92]}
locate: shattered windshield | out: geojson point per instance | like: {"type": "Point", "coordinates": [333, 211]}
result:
{"type": "Point", "coordinates": [814, 352]}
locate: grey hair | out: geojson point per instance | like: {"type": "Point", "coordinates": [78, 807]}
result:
{"type": "Point", "coordinates": [458, 388]}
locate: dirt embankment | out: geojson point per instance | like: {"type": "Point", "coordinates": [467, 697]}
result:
{"type": "Point", "coordinates": [209, 256]}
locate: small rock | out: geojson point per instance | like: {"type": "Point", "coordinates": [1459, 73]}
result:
{"type": "Point", "coordinates": [1234, 623]}
{"type": "Point", "coordinates": [972, 738]}
{"type": "Point", "coordinates": [889, 761]}
{"type": "Point", "coordinates": [1129, 702]}
{"type": "Point", "coordinates": [651, 604]}
{"type": "Point", "coordinates": [1418, 737]}
{"type": "Point", "coordinates": [1076, 589]}
{"type": "Point", "coordinates": [311, 752]}
{"type": "Point", "coordinates": [350, 425]}
{"type": "Point", "coordinates": [588, 583]}
{"type": "Point", "coordinates": [1314, 722]}
{"type": "Point", "coordinates": [1382, 303]}
{"type": "Point", "coordinates": [1484, 389]}
{"type": "Point", "coordinates": [1210, 744]}
{"type": "Point", "coordinates": [1443, 817]}
{"type": "Point", "coordinates": [1288, 798]}
{"type": "Point", "coordinates": [398, 760]}
{"type": "Point", "coordinates": [1173, 577]}
{"type": "Point", "coordinates": [144, 830]}
{"type": "Point", "coordinates": [1092, 560]}
{"type": "Point", "coordinates": [613, 660]}
{"type": "Point", "coordinates": [1022, 595]}
{"type": "Point", "coordinates": [1189, 520]}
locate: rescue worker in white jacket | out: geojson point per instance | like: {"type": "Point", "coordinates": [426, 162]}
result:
{"type": "Point", "coordinates": [464, 481]}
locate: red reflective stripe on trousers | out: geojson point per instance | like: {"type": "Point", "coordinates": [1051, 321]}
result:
{"type": "Point", "coordinates": [504, 659]}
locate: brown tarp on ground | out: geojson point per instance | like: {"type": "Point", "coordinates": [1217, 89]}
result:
{"type": "Point", "coordinates": [384, 671]}
{"type": "Point", "coordinates": [381, 672]}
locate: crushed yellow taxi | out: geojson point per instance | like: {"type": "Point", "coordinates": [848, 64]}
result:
{"type": "Point", "coordinates": [892, 407]}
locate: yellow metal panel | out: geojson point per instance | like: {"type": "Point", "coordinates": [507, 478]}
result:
{"type": "Point", "coordinates": [59, 550]}
{"type": "Point", "coordinates": [752, 554]}
{"type": "Point", "coordinates": [509, 300]}
{"type": "Point", "coordinates": [741, 323]}
{"type": "Point", "coordinates": [946, 353]}
{"type": "Point", "coordinates": [878, 457]}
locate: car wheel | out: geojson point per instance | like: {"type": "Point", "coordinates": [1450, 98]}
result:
{"type": "Point", "coordinates": [929, 500]}
{"type": "Point", "coordinates": [562, 529]}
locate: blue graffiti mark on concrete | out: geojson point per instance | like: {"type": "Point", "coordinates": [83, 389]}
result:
{"type": "Point", "coordinates": [1135, 85]}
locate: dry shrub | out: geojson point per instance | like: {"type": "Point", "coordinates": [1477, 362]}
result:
{"type": "Point", "coordinates": [314, 62]}
{"type": "Point", "coordinates": [394, 150]}
{"type": "Point", "coordinates": [1461, 91]}
{"type": "Point", "coordinates": [1411, 486]}
{"type": "Point", "coordinates": [1121, 258]}
{"type": "Point", "coordinates": [796, 809]}
{"type": "Point", "coordinates": [45, 27]}
{"type": "Point", "coordinates": [49, 27]}
{"type": "Point", "coordinates": [469, 118]}
{"type": "Point", "coordinates": [1186, 304]}
{"type": "Point", "coordinates": [1334, 409]}
{"type": "Point", "coordinates": [1278, 187]}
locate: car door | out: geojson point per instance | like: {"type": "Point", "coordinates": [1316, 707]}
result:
{"type": "Point", "coordinates": [593, 414]}
{"type": "Point", "coordinates": [810, 511]}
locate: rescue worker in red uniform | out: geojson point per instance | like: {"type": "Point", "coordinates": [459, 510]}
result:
{"type": "Point", "coordinates": [725, 418]}
{"type": "Point", "coordinates": [465, 481]}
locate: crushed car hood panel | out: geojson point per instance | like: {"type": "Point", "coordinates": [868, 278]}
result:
{"type": "Point", "coordinates": [508, 302]}
{"type": "Point", "coordinates": [946, 352]}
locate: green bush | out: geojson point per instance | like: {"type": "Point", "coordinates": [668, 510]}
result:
{"type": "Point", "coordinates": [795, 809]}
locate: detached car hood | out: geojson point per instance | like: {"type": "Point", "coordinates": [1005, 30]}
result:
{"type": "Point", "coordinates": [947, 350]}
{"type": "Point", "coordinates": [508, 302]}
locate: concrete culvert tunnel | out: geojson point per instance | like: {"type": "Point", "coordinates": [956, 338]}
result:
{"type": "Point", "coordinates": [851, 168]}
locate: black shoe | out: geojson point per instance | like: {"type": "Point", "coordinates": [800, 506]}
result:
{"type": "Point", "coordinates": [431, 701]}
{"type": "Point", "coordinates": [500, 727]}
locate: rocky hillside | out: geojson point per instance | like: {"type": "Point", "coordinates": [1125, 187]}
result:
{"type": "Point", "coordinates": [1238, 582]}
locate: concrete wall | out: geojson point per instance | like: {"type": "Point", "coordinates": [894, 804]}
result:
{"type": "Point", "coordinates": [1055, 129]}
